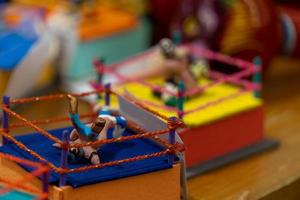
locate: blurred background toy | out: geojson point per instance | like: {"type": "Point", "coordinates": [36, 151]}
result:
{"type": "Point", "coordinates": [114, 30]}
{"type": "Point", "coordinates": [223, 112]}
{"type": "Point", "coordinates": [290, 20]}
{"type": "Point", "coordinates": [242, 29]}
{"type": "Point", "coordinates": [237, 28]}
{"type": "Point", "coordinates": [88, 29]}
{"type": "Point", "coordinates": [25, 53]}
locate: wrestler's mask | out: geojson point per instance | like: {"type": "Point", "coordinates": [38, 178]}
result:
{"type": "Point", "coordinates": [98, 125]}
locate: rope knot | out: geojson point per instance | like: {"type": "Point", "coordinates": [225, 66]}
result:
{"type": "Point", "coordinates": [174, 123]}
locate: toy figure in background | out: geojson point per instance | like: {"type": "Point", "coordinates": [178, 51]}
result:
{"type": "Point", "coordinates": [290, 21]}
{"type": "Point", "coordinates": [107, 125]}
{"type": "Point", "coordinates": [87, 8]}
{"type": "Point", "coordinates": [240, 28]}
{"type": "Point", "coordinates": [174, 64]}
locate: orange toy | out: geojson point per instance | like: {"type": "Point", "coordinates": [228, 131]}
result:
{"type": "Point", "coordinates": [105, 21]}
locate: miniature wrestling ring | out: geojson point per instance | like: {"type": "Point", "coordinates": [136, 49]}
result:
{"type": "Point", "coordinates": [142, 151]}
{"type": "Point", "coordinates": [224, 113]}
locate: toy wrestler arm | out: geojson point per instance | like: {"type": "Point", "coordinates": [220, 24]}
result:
{"type": "Point", "coordinates": [78, 125]}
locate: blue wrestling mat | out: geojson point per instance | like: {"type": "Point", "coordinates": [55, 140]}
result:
{"type": "Point", "coordinates": [108, 152]}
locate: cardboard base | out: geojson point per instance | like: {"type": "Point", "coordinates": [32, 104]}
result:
{"type": "Point", "coordinates": [164, 184]}
{"type": "Point", "coordinates": [223, 137]}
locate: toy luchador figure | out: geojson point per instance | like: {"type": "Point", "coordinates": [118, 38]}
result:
{"type": "Point", "coordinates": [175, 64]}
{"type": "Point", "coordinates": [107, 125]}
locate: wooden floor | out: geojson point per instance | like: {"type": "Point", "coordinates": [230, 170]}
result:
{"type": "Point", "coordinates": [269, 176]}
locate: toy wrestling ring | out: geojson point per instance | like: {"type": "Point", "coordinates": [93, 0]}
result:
{"type": "Point", "coordinates": [160, 154]}
{"type": "Point", "coordinates": [215, 78]}
{"type": "Point", "coordinates": [224, 112]}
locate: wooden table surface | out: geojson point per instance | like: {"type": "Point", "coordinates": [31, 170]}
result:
{"type": "Point", "coordinates": [271, 175]}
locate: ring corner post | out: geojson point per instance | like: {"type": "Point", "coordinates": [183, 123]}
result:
{"type": "Point", "coordinates": [63, 160]}
{"type": "Point", "coordinates": [180, 99]}
{"type": "Point", "coordinates": [5, 118]}
{"type": "Point", "coordinates": [172, 139]}
{"type": "Point", "coordinates": [45, 182]}
{"type": "Point", "coordinates": [99, 65]}
{"type": "Point", "coordinates": [257, 76]}
{"type": "Point", "coordinates": [107, 94]}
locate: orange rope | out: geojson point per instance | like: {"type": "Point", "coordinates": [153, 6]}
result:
{"type": "Point", "coordinates": [20, 185]}
{"type": "Point", "coordinates": [45, 133]}
{"type": "Point", "coordinates": [117, 162]}
{"type": "Point", "coordinates": [16, 184]}
{"type": "Point", "coordinates": [48, 121]}
{"type": "Point", "coordinates": [20, 160]}
{"type": "Point", "coordinates": [120, 139]}
{"type": "Point", "coordinates": [134, 127]}
{"type": "Point", "coordinates": [32, 175]}
{"type": "Point", "coordinates": [170, 148]}
{"type": "Point", "coordinates": [63, 170]}
{"type": "Point", "coordinates": [131, 125]}
{"type": "Point", "coordinates": [31, 152]}
{"type": "Point", "coordinates": [40, 130]}
{"type": "Point", "coordinates": [52, 97]}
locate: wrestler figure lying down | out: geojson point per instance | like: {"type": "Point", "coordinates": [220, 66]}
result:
{"type": "Point", "coordinates": [105, 126]}
{"type": "Point", "coordinates": [174, 64]}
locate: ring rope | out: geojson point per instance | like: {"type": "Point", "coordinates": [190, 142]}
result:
{"type": "Point", "coordinates": [211, 103]}
{"type": "Point", "coordinates": [20, 160]}
{"type": "Point", "coordinates": [170, 148]}
{"type": "Point", "coordinates": [26, 149]}
{"type": "Point", "coordinates": [20, 185]}
{"type": "Point", "coordinates": [27, 122]}
{"type": "Point", "coordinates": [206, 53]}
{"type": "Point", "coordinates": [48, 121]}
{"type": "Point", "coordinates": [176, 147]}
{"type": "Point", "coordinates": [53, 97]}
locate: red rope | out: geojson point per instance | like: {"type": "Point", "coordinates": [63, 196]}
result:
{"type": "Point", "coordinates": [218, 101]}
{"type": "Point", "coordinates": [196, 50]}
{"type": "Point", "coordinates": [206, 53]}
{"type": "Point", "coordinates": [243, 82]}
{"type": "Point", "coordinates": [124, 79]}
{"type": "Point", "coordinates": [231, 78]}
